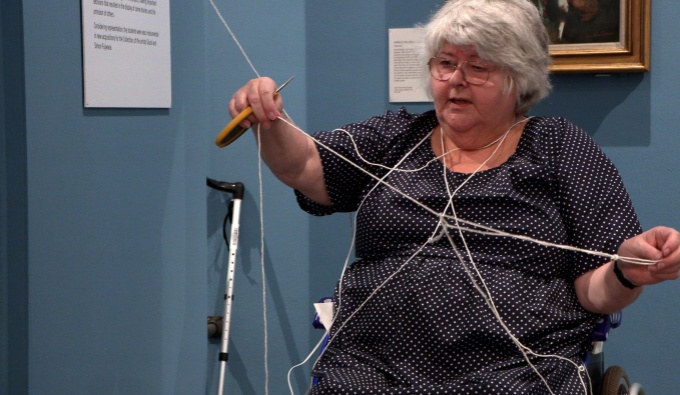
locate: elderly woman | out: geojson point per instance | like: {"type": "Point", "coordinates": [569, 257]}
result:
{"type": "Point", "coordinates": [436, 302]}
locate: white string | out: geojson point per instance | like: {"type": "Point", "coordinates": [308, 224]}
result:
{"type": "Point", "coordinates": [264, 277]}
{"type": "Point", "coordinates": [495, 232]}
{"type": "Point", "coordinates": [309, 356]}
{"type": "Point", "coordinates": [394, 168]}
{"type": "Point", "coordinates": [261, 208]}
{"type": "Point", "coordinates": [486, 294]}
{"type": "Point", "coordinates": [238, 44]}
{"type": "Point", "coordinates": [501, 139]}
{"type": "Point", "coordinates": [342, 275]}
{"type": "Point", "coordinates": [484, 291]}
{"type": "Point", "coordinates": [233, 37]}
{"type": "Point", "coordinates": [612, 257]}
{"type": "Point", "coordinates": [487, 230]}
{"type": "Point", "coordinates": [382, 180]}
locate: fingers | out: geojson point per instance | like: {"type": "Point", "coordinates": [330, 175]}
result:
{"type": "Point", "coordinates": [259, 94]}
{"type": "Point", "coordinates": [658, 244]}
{"type": "Point", "coordinates": [642, 246]}
{"type": "Point", "coordinates": [668, 241]}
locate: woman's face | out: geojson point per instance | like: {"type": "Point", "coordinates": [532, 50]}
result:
{"type": "Point", "coordinates": [463, 107]}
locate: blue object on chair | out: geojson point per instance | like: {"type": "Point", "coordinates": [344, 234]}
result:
{"type": "Point", "coordinates": [601, 332]}
{"type": "Point", "coordinates": [316, 323]}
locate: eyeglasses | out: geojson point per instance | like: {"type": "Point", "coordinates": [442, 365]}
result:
{"type": "Point", "coordinates": [474, 71]}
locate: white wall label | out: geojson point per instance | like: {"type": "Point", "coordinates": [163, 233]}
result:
{"type": "Point", "coordinates": [126, 53]}
{"type": "Point", "coordinates": [406, 70]}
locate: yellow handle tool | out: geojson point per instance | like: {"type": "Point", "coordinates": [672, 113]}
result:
{"type": "Point", "coordinates": [233, 130]}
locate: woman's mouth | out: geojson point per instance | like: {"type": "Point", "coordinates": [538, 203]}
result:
{"type": "Point", "coordinates": [459, 101]}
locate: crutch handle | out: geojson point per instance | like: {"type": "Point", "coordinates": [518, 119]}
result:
{"type": "Point", "coordinates": [235, 188]}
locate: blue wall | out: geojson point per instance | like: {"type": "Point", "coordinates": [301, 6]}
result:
{"type": "Point", "coordinates": [112, 253]}
{"type": "Point", "coordinates": [13, 227]}
{"type": "Point", "coordinates": [116, 219]}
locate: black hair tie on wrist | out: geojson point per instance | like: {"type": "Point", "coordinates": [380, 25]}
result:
{"type": "Point", "coordinates": [624, 281]}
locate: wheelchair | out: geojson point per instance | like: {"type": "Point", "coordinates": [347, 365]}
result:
{"type": "Point", "coordinates": [612, 381]}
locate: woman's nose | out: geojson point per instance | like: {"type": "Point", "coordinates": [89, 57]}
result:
{"type": "Point", "coordinates": [458, 77]}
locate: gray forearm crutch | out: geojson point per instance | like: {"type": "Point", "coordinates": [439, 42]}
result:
{"type": "Point", "coordinates": [236, 189]}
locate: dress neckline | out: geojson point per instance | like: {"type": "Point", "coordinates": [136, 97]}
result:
{"type": "Point", "coordinates": [507, 162]}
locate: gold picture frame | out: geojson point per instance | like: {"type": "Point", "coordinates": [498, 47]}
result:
{"type": "Point", "coordinates": [630, 54]}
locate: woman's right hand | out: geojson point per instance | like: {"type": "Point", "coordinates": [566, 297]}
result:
{"type": "Point", "coordinates": [290, 154]}
{"type": "Point", "coordinates": [259, 94]}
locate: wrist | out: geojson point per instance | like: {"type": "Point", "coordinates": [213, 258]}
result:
{"type": "Point", "coordinates": [622, 279]}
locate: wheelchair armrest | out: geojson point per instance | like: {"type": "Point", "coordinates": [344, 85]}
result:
{"type": "Point", "coordinates": [601, 332]}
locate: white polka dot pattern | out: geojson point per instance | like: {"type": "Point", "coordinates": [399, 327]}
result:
{"type": "Point", "coordinates": [428, 331]}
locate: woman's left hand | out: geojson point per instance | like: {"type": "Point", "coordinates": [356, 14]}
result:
{"type": "Point", "coordinates": [661, 244]}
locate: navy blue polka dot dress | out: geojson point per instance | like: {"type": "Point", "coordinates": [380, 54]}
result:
{"type": "Point", "coordinates": [427, 329]}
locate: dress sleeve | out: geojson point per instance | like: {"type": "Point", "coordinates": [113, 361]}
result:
{"type": "Point", "coordinates": [349, 156]}
{"type": "Point", "coordinates": [593, 202]}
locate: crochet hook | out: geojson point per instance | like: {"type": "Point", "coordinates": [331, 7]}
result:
{"type": "Point", "coordinates": [233, 130]}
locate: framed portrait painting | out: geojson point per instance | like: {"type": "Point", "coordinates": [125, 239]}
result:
{"type": "Point", "coordinates": [598, 36]}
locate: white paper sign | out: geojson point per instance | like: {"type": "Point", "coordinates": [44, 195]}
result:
{"type": "Point", "coordinates": [126, 53]}
{"type": "Point", "coordinates": [406, 68]}
{"type": "Point", "coordinates": [326, 311]}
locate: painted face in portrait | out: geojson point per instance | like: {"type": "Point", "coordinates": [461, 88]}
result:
{"type": "Point", "coordinates": [587, 9]}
